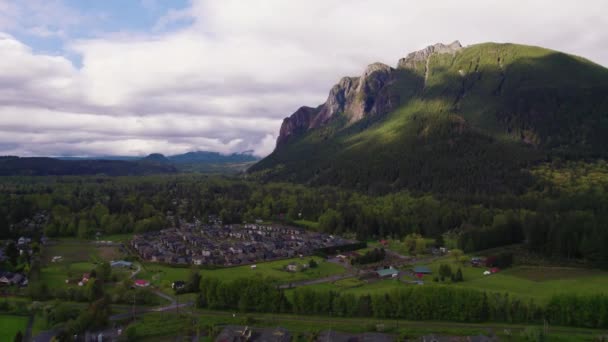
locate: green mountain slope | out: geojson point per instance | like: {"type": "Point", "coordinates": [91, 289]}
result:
{"type": "Point", "coordinates": [448, 119]}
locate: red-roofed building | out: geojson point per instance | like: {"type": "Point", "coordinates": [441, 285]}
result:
{"type": "Point", "coordinates": [142, 283]}
{"type": "Point", "coordinates": [495, 270]}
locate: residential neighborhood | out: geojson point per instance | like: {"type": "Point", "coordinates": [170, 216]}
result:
{"type": "Point", "coordinates": [228, 245]}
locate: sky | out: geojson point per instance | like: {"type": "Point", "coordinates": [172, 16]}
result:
{"type": "Point", "coordinates": [133, 77]}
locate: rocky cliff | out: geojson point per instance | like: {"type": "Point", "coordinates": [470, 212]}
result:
{"type": "Point", "coordinates": [358, 97]}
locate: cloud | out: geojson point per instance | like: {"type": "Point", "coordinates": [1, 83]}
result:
{"type": "Point", "coordinates": [225, 80]}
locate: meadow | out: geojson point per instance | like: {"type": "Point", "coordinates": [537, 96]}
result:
{"type": "Point", "coordinates": [78, 257]}
{"type": "Point", "coordinates": [163, 276]}
{"type": "Point", "coordinates": [529, 282]}
{"type": "Point", "coordinates": [10, 325]}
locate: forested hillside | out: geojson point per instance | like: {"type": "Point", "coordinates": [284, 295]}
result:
{"type": "Point", "coordinates": [448, 119]}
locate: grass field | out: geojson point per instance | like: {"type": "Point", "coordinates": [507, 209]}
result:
{"type": "Point", "coordinates": [158, 325]}
{"type": "Point", "coordinates": [528, 282]}
{"type": "Point", "coordinates": [78, 257]}
{"type": "Point", "coordinates": [163, 276]}
{"type": "Point", "coordinates": [312, 225]}
{"type": "Point", "coordinates": [10, 325]}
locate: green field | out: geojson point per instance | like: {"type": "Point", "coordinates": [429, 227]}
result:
{"type": "Point", "coordinates": [528, 282]}
{"type": "Point", "coordinates": [78, 257]}
{"type": "Point", "coordinates": [312, 225]}
{"type": "Point", "coordinates": [10, 325]}
{"type": "Point", "coordinates": [359, 287]}
{"type": "Point", "coordinates": [158, 325]}
{"type": "Point", "coordinates": [163, 276]}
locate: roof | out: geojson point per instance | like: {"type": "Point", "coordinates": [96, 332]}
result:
{"type": "Point", "coordinates": [121, 263]}
{"type": "Point", "coordinates": [141, 282]}
{"type": "Point", "coordinates": [422, 269]}
{"type": "Point", "coordinates": [387, 272]}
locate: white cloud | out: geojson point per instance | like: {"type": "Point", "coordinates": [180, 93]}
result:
{"type": "Point", "coordinates": [225, 82]}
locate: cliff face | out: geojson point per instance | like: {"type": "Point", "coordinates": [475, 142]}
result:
{"type": "Point", "coordinates": [299, 122]}
{"type": "Point", "coordinates": [358, 97]}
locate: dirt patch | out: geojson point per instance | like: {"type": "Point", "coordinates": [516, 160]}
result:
{"type": "Point", "coordinates": [109, 253]}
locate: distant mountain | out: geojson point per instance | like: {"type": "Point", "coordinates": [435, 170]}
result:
{"type": "Point", "coordinates": [213, 157]}
{"type": "Point", "coordinates": [40, 166]}
{"type": "Point", "coordinates": [205, 162]}
{"type": "Point", "coordinates": [156, 158]}
{"type": "Point", "coordinates": [447, 118]}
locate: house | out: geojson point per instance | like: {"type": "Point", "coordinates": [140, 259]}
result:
{"type": "Point", "coordinates": [422, 270]}
{"type": "Point", "coordinates": [86, 277]}
{"type": "Point", "coordinates": [494, 270]}
{"type": "Point", "coordinates": [23, 241]}
{"type": "Point", "coordinates": [253, 267]}
{"type": "Point", "coordinates": [178, 285]}
{"type": "Point", "coordinates": [292, 268]}
{"type": "Point", "coordinates": [477, 261]}
{"type": "Point", "coordinates": [121, 263]}
{"type": "Point", "coordinates": [9, 278]}
{"type": "Point", "coordinates": [57, 258]}
{"type": "Point", "coordinates": [142, 283]}
{"type": "Point", "coordinates": [390, 272]}
{"type": "Point", "coordinates": [486, 273]}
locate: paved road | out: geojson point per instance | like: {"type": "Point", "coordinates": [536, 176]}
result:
{"type": "Point", "coordinates": [134, 273]}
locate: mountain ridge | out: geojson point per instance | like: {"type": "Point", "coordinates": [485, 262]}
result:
{"type": "Point", "coordinates": [495, 101]}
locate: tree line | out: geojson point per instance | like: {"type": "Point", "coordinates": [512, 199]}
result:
{"type": "Point", "coordinates": [415, 303]}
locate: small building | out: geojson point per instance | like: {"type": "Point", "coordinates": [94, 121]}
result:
{"type": "Point", "coordinates": [86, 277]}
{"type": "Point", "coordinates": [387, 272]}
{"type": "Point", "coordinates": [292, 268]}
{"type": "Point", "coordinates": [121, 263]}
{"type": "Point", "coordinates": [422, 270]}
{"type": "Point", "coordinates": [142, 283]}
{"type": "Point", "coordinates": [9, 278]}
{"type": "Point", "coordinates": [253, 267]}
{"type": "Point", "coordinates": [178, 285]}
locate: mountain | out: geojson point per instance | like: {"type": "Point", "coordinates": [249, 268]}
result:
{"type": "Point", "coordinates": [40, 166]}
{"type": "Point", "coordinates": [155, 163]}
{"type": "Point", "coordinates": [213, 157]}
{"type": "Point", "coordinates": [447, 118]}
{"type": "Point", "coordinates": [156, 158]}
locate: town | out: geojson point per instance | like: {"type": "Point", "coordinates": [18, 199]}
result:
{"type": "Point", "coordinates": [228, 245]}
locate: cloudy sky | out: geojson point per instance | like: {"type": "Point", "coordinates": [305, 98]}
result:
{"type": "Point", "coordinates": [132, 77]}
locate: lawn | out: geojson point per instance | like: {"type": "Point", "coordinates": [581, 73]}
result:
{"type": "Point", "coordinates": [163, 276]}
{"type": "Point", "coordinates": [528, 282]}
{"type": "Point", "coordinates": [10, 325]}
